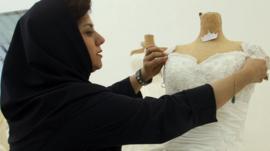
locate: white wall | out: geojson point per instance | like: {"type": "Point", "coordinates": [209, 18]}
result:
{"type": "Point", "coordinates": [11, 5]}
{"type": "Point", "coordinates": [124, 22]}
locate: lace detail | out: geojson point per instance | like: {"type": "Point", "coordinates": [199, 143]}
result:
{"type": "Point", "coordinates": [257, 52]}
{"type": "Point", "coordinates": [183, 72]}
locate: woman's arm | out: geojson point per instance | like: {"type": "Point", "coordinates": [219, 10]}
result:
{"type": "Point", "coordinates": [125, 87]}
{"type": "Point", "coordinates": [254, 70]}
{"type": "Point", "coordinates": [118, 119]}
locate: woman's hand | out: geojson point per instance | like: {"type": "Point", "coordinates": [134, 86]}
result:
{"type": "Point", "coordinates": [153, 61]}
{"type": "Point", "coordinates": [256, 69]}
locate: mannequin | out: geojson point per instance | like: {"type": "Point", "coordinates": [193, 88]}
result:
{"type": "Point", "coordinates": [210, 22]}
{"type": "Point", "coordinates": [211, 56]}
{"type": "Point", "coordinates": [181, 73]}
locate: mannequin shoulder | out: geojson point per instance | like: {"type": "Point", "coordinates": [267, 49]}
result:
{"type": "Point", "coordinates": [183, 48]}
{"type": "Point", "coordinates": [137, 51]}
{"type": "Point", "coordinates": [235, 45]}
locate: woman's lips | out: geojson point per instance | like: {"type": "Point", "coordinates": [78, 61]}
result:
{"type": "Point", "coordinates": [99, 53]}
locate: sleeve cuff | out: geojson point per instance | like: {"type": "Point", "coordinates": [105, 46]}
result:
{"type": "Point", "coordinates": [130, 89]}
{"type": "Point", "coordinates": [203, 103]}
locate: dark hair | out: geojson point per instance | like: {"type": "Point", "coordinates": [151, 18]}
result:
{"type": "Point", "coordinates": [78, 8]}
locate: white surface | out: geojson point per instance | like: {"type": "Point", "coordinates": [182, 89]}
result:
{"type": "Point", "coordinates": [11, 5]}
{"type": "Point", "coordinates": [124, 22]}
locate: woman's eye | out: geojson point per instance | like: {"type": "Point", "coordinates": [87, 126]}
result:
{"type": "Point", "coordinates": [89, 33]}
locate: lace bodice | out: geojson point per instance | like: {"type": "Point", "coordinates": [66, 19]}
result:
{"type": "Point", "coordinates": [183, 72]}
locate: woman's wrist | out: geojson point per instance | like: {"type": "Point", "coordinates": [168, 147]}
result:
{"type": "Point", "coordinates": [245, 76]}
{"type": "Point", "coordinates": [145, 76]}
{"type": "Point", "coordinates": [134, 83]}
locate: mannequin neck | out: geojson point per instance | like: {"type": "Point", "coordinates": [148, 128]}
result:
{"type": "Point", "coordinates": [211, 22]}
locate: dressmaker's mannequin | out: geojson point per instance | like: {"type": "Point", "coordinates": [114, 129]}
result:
{"type": "Point", "coordinates": [210, 22]}
{"type": "Point", "coordinates": [211, 57]}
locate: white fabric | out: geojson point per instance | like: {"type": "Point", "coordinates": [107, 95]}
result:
{"type": "Point", "coordinates": [183, 72]}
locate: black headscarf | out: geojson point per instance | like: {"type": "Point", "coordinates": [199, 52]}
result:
{"type": "Point", "coordinates": [46, 70]}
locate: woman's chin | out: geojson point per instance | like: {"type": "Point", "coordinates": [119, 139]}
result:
{"type": "Point", "coordinates": [96, 67]}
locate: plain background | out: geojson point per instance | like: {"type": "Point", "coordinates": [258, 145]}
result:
{"type": "Point", "coordinates": [124, 22]}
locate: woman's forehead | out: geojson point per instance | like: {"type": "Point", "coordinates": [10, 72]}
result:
{"type": "Point", "coordinates": [85, 21]}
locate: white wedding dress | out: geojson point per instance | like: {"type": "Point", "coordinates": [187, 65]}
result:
{"type": "Point", "coordinates": [183, 72]}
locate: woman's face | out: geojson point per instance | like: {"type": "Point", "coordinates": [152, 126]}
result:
{"type": "Point", "coordinates": [93, 40]}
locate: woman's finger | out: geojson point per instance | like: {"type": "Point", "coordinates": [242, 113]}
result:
{"type": "Point", "coordinates": [154, 55]}
{"type": "Point", "coordinates": [152, 49]}
{"type": "Point", "coordinates": [158, 62]}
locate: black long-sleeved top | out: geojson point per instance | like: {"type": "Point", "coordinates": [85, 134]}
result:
{"type": "Point", "coordinates": [119, 117]}
{"type": "Point", "coordinates": [122, 117]}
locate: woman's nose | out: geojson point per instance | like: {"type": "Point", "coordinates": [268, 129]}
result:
{"type": "Point", "coordinates": [99, 39]}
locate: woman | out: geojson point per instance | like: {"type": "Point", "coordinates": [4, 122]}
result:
{"type": "Point", "coordinates": [50, 105]}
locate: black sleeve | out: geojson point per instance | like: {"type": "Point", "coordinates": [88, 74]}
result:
{"type": "Point", "coordinates": [117, 119]}
{"type": "Point", "coordinates": [124, 88]}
